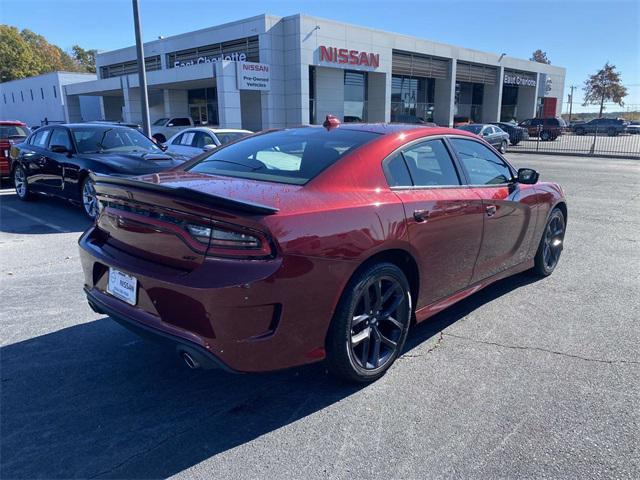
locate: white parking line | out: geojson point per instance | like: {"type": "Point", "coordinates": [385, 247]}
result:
{"type": "Point", "coordinates": [52, 226]}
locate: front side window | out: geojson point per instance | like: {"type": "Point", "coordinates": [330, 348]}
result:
{"type": "Point", "coordinates": [287, 156]}
{"type": "Point", "coordinates": [482, 165]}
{"type": "Point", "coordinates": [430, 164]}
{"type": "Point", "coordinates": [60, 137]}
{"type": "Point", "coordinates": [160, 121]}
{"type": "Point", "coordinates": [111, 140]}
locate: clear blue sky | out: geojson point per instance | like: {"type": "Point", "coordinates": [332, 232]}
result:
{"type": "Point", "coordinates": [580, 35]}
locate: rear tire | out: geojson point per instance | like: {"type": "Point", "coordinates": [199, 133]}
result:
{"type": "Point", "coordinates": [503, 146]}
{"type": "Point", "coordinates": [612, 132]}
{"type": "Point", "coordinates": [21, 185]}
{"type": "Point", "coordinates": [370, 325]}
{"type": "Point", "coordinates": [551, 244]}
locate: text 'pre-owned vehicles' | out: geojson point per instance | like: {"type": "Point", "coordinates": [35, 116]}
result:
{"type": "Point", "coordinates": [491, 134]}
{"type": "Point", "coordinates": [57, 160]}
{"type": "Point", "coordinates": [11, 132]}
{"type": "Point", "coordinates": [193, 141]}
{"type": "Point", "coordinates": [295, 245]}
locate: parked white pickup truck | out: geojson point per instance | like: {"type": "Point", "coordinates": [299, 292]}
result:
{"type": "Point", "coordinates": [164, 128]}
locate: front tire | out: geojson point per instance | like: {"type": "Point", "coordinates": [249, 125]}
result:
{"type": "Point", "coordinates": [89, 200]}
{"type": "Point", "coordinates": [21, 185]}
{"type": "Point", "coordinates": [370, 325]}
{"type": "Point", "coordinates": [551, 244]}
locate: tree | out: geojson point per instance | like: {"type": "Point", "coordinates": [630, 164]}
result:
{"type": "Point", "coordinates": [25, 54]}
{"type": "Point", "coordinates": [540, 57]}
{"type": "Point", "coordinates": [86, 59]}
{"type": "Point", "coordinates": [16, 58]}
{"type": "Point", "coordinates": [604, 86]}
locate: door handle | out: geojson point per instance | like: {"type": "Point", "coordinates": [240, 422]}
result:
{"type": "Point", "coordinates": [491, 210]}
{"type": "Point", "coordinates": [421, 215]}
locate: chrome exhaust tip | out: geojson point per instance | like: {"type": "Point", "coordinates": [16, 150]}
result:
{"type": "Point", "coordinates": [191, 362]}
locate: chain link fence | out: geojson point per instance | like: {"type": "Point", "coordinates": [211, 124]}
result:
{"type": "Point", "coordinates": [603, 141]}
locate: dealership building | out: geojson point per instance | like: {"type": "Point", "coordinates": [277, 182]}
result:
{"type": "Point", "coordinates": [269, 71]}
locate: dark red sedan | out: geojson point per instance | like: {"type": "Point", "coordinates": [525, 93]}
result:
{"type": "Point", "coordinates": [301, 244]}
{"type": "Point", "coordinates": [11, 132]}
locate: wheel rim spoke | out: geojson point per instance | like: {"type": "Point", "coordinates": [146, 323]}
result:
{"type": "Point", "coordinates": [375, 328]}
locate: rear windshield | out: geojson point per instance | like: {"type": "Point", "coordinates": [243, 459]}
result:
{"type": "Point", "coordinates": [7, 131]}
{"type": "Point", "coordinates": [228, 137]}
{"type": "Point", "coordinates": [471, 128]}
{"type": "Point", "coordinates": [286, 156]}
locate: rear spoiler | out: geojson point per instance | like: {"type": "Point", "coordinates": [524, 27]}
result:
{"type": "Point", "coordinates": [208, 199]}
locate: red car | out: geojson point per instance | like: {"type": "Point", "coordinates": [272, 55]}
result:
{"type": "Point", "coordinates": [301, 244]}
{"type": "Point", "coordinates": [11, 132]}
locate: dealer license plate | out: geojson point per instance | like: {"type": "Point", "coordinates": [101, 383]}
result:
{"type": "Point", "coordinates": [122, 286]}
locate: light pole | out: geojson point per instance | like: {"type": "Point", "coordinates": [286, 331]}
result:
{"type": "Point", "coordinates": [571, 102]}
{"type": "Point", "coordinates": [142, 74]}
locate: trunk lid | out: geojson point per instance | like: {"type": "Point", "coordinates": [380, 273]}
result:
{"type": "Point", "coordinates": [151, 217]}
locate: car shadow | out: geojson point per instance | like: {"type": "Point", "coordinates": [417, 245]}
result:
{"type": "Point", "coordinates": [93, 400]}
{"type": "Point", "coordinates": [42, 215]}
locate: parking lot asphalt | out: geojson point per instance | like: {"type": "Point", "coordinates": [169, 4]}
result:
{"type": "Point", "coordinates": [526, 379]}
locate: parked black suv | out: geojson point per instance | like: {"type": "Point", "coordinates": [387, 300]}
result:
{"type": "Point", "coordinates": [610, 126]}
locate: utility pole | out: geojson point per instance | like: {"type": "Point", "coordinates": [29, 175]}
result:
{"type": "Point", "coordinates": [142, 74]}
{"type": "Point", "coordinates": [572, 87]}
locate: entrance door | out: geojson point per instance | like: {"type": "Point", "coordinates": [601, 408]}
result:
{"type": "Point", "coordinates": [199, 114]}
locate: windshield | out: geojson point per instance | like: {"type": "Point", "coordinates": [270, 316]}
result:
{"type": "Point", "coordinates": [228, 137]}
{"type": "Point", "coordinates": [112, 139]}
{"type": "Point", "coordinates": [286, 156]}
{"type": "Point", "coordinates": [7, 131]}
{"type": "Point", "coordinates": [160, 121]}
{"type": "Point", "coordinates": [471, 128]}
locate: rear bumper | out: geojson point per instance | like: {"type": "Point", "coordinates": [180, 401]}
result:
{"type": "Point", "coordinates": [249, 316]}
{"type": "Point", "coordinates": [99, 302]}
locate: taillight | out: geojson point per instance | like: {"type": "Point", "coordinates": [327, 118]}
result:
{"type": "Point", "coordinates": [223, 241]}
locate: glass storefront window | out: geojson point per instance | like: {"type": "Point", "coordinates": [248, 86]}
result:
{"type": "Point", "coordinates": [508, 110]}
{"type": "Point", "coordinates": [412, 99]}
{"type": "Point", "coordinates": [203, 106]}
{"type": "Point", "coordinates": [355, 96]}
{"type": "Point", "coordinates": [468, 102]}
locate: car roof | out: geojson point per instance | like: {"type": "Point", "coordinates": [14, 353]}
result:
{"type": "Point", "coordinates": [390, 128]}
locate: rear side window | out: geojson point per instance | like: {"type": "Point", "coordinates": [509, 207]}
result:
{"type": "Point", "coordinates": [395, 169]}
{"type": "Point", "coordinates": [40, 138]}
{"type": "Point", "coordinates": [286, 156]}
{"type": "Point", "coordinates": [482, 165]}
{"type": "Point", "coordinates": [430, 164]}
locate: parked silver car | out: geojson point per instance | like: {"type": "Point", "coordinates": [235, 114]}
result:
{"type": "Point", "coordinates": [193, 141]}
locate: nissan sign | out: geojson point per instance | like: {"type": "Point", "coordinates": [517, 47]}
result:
{"type": "Point", "coordinates": [344, 56]}
{"type": "Point", "coordinates": [253, 76]}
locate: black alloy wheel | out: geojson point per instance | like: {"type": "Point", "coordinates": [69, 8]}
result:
{"type": "Point", "coordinates": [371, 324]}
{"type": "Point", "coordinates": [551, 244]}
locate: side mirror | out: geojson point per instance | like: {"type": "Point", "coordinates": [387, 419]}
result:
{"type": "Point", "coordinates": [162, 147]}
{"type": "Point", "coordinates": [170, 124]}
{"type": "Point", "coordinates": [208, 148]}
{"type": "Point", "coordinates": [59, 149]}
{"type": "Point", "coordinates": [528, 176]}
{"type": "Point", "coordinates": [486, 133]}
